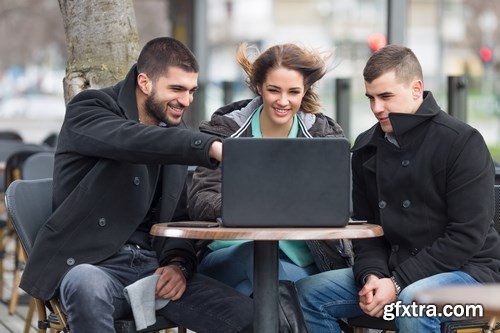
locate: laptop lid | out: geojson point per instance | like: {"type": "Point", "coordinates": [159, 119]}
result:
{"type": "Point", "coordinates": [299, 182]}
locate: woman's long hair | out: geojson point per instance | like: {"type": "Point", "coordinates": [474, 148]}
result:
{"type": "Point", "coordinates": [310, 63]}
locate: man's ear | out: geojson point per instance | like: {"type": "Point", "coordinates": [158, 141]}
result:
{"type": "Point", "coordinates": [144, 83]}
{"type": "Point", "coordinates": [417, 88]}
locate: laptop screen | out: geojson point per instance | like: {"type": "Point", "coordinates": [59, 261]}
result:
{"type": "Point", "coordinates": [299, 182]}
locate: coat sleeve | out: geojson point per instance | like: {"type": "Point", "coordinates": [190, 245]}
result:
{"type": "Point", "coordinates": [94, 125]}
{"type": "Point", "coordinates": [370, 254]}
{"type": "Point", "coordinates": [205, 195]}
{"type": "Point", "coordinates": [470, 210]}
{"type": "Point", "coordinates": [169, 248]}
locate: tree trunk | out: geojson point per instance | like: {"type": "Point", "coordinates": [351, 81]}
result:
{"type": "Point", "coordinates": [102, 43]}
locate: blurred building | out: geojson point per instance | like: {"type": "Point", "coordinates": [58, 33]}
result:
{"type": "Point", "coordinates": [451, 37]}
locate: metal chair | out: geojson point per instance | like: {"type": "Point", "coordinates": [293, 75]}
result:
{"type": "Point", "coordinates": [15, 166]}
{"type": "Point", "coordinates": [362, 323]}
{"type": "Point", "coordinates": [9, 145]}
{"type": "Point", "coordinates": [36, 166]}
{"type": "Point", "coordinates": [29, 205]}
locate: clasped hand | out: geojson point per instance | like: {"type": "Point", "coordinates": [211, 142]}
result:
{"type": "Point", "coordinates": [375, 294]}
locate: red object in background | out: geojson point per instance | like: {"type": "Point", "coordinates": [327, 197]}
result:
{"type": "Point", "coordinates": [486, 54]}
{"type": "Point", "coordinates": [376, 41]}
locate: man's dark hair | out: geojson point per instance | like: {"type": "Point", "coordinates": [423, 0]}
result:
{"type": "Point", "coordinates": [163, 52]}
{"type": "Point", "coordinates": [393, 57]}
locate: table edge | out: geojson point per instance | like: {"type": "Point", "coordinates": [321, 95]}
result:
{"type": "Point", "coordinates": [353, 231]}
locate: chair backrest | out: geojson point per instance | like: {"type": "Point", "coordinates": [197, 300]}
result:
{"type": "Point", "coordinates": [29, 205]}
{"type": "Point", "coordinates": [38, 166]}
{"type": "Point", "coordinates": [51, 140]}
{"type": "Point", "coordinates": [13, 154]}
{"type": "Point", "coordinates": [496, 219]}
{"type": "Point", "coordinates": [7, 147]}
{"type": "Point", "coordinates": [10, 135]}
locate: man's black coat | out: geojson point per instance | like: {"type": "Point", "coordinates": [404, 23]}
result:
{"type": "Point", "coordinates": [433, 196]}
{"type": "Point", "coordinates": [106, 169]}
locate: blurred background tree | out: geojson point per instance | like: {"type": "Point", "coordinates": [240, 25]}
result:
{"type": "Point", "coordinates": [102, 43]}
{"type": "Point", "coordinates": [34, 54]}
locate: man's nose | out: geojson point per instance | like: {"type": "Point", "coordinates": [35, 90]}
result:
{"type": "Point", "coordinates": [377, 106]}
{"type": "Point", "coordinates": [185, 98]}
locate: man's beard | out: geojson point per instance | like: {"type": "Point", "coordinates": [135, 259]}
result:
{"type": "Point", "coordinates": [155, 109]}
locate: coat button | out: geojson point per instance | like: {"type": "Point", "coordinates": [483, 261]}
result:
{"type": "Point", "coordinates": [406, 203]}
{"type": "Point", "coordinates": [102, 221]}
{"type": "Point", "coordinates": [137, 181]}
{"type": "Point", "coordinates": [197, 142]}
{"type": "Point", "coordinates": [70, 261]}
{"type": "Point", "coordinates": [395, 248]}
{"type": "Point", "coordinates": [414, 251]}
{"type": "Point", "coordinates": [382, 204]}
{"type": "Point", "coordinates": [405, 163]}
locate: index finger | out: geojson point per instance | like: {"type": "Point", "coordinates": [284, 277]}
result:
{"type": "Point", "coordinates": [165, 276]}
{"type": "Point", "coordinates": [366, 289]}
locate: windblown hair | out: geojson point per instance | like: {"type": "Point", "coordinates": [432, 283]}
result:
{"type": "Point", "coordinates": [310, 63]}
{"type": "Point", "coordinates": [163, 52]}
{"type": "Point", "coordinates": [393, 57]}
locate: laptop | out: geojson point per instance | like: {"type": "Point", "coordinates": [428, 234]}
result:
{"type": "Point", "coordinates": [279, 182]}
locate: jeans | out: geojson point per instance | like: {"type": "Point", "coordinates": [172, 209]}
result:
{"type": "Point", "coordinates": [92, 297]}
{"type": "Point", "coordinates": [234, 266]}
{"type": "Point", "coordinates": [329, 296]}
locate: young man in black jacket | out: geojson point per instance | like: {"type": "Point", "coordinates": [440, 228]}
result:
{"type": "Point", "coordinates": [427, 179]}
{"type": "Point", "coordinates": [120, 167]}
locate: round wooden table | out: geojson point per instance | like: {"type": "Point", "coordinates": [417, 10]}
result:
{"type": "Point", "coordinates": [488, 295]}
{"type": "Point", "coordinates": [266, 256]}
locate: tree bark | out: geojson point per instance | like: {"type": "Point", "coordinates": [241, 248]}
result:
{"type": "Point", "coordinates": [102, 43]}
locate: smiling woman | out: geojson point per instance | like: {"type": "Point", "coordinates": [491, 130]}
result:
{"type": "Point", "coordinates": [282, 93]}
{"type": "Point", "coordinates": [287, 106]}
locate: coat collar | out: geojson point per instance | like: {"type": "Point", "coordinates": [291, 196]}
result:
{"type": "Point", "coordinates": [126, 97]}
{"type": "Point", "coordinates": [402, 123]}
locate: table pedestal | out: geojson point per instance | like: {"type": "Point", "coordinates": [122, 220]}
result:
{"type": "Point", "coordinates": [265, 280]}
{"type": "Point", "coordinates": [266, 291]}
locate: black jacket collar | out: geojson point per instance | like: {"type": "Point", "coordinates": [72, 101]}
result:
{"type": "Point", "coordinates": [126, 95]}
{"type": "Point", "coordinates": [402, 123]}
